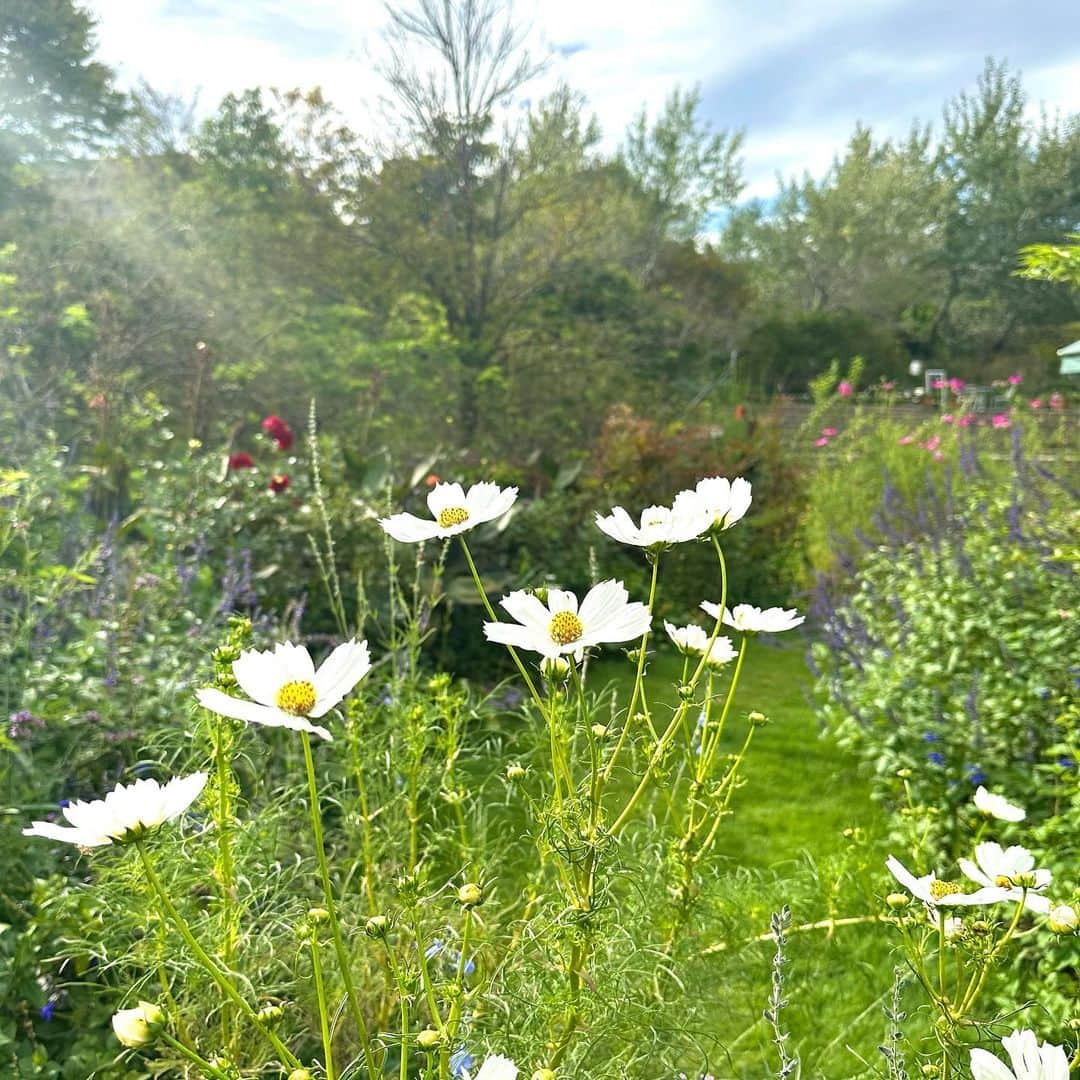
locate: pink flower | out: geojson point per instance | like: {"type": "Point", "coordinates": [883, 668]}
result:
{"type": "Point", "coordinates": [956, 385]}
{"type": "Point", "coordinates": [947, 418]}
{"type": "Point", "coordinates": [888, 385]}
{"type": "Point", "coordinates": [829, 432]}
{"type": "Point", "coordinates": [938, 455]}
{"type": "Point", "coordinates": [966, 420]}
{"type": "Point", "coordinates": [821, 442]}
{"type": "Point", "coordinates": [845, 389]}
{"type": "Point", "coordinates": [1036, 403]}
{"type": "Point", "coordinates": [1001, 420]}
{"type": "Point", "coordinates": [1057, 401]}
{"type": "Point", "coordinates": [907, 440]}
{"type": "Point", "coordinates": [939, 384]}
{"type": "Point", "coordinates": [932, 443]}
{"type": "Point", "coordinates": [1016, 380]}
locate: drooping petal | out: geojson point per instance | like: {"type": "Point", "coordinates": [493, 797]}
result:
{"type": "Point", "coordinates": [619, 526]}
{"type": "Point", "coordinates": [252, 713]}
{"type": "Point", "coordinates": [918, 887]}
{"type": "Point", "coordinates": [50, 831]}
{"type": "Point", "coordinates": [339, 673]}
{"type": "Point", "coordinates": [521, 637]}
{"type": "Point", "coordinates": [409, 529]}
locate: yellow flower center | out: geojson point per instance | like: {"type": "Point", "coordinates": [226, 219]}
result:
{"type": "Point", "coordinates": [297, 698]}
{"type": "Point", "coordinates": [565, 628]}
{"type": "Point", "coordinates": [453, 515]}
{"type": "Point", "coordinates": [940, 889]}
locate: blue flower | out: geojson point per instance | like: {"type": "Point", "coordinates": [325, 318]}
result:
{"type": "Point", "coordinates": [931, 736]}
{"type": "Point", "coordinates": [935, 758]}
{"type": "Point", "coordinates": [1066, 762]}
{"type": "Point", "coordinates": [976, 775]}
{"type": "Point", "coordinates": [433, 949]}
{"type": "Point", "coordinates": [46, 1011]}
{"type": "Point", "coordinates": [460, 1060]}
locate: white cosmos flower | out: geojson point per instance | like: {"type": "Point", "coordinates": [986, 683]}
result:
{"type": "Point", "coordinates": [935, 892]}
{"type": "Point", "coordinates": [497, 1067]}
{"type": "Point", "coordinates": [561, 627]}
{"type": "Point", "coordinates": [997, 807]}
{"type": "Point", "coordinates": [694, 640]}
{"type": "Point", "coordinates": [128, 810]}
{"type": "Point", "coordinates": [660, 525]}
{"type": "Point", "coordinates": [285, 688]}
{"type": "Point", "coordinates": [724, 501]}
{"type": "Point", "coordinates": [1030, 1061]}
{"type": "Point", "coordinates": [754, 620]}
{"type": "Point", "coordinates": [1009, 869]}
{"type": "Point", "coordinates": [452, 512]}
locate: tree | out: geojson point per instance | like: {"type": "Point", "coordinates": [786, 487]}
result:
{"type": "Point", "coordinates": [55, 99]}
{"type": "Point", "coordinates": [687, 171]}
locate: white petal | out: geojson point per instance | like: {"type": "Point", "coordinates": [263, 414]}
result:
{"type": "Point", "coordinates": [984, 1066]}
{"type": "Point", "coordinates": [970, 870]}
{"type": "Point", "coordinates": [620, 527]}
{"type": "Point", "coordinates": [1023, 1050]}
{"type": "Point", "coordinates": [444, 497]}
{"type": "Point", "coordinates": [486, 502]}
{"type": "Point", "coordinates": [918, 887]}
{"type": "Point", "coordinates": [339, 673]}
{"type": "Point", "coordinates": [741, 497]}
{"type": "Point", "coordinates": [497, 1067]}
{"type": "Point", "coordinates": [294, 663]}
{"type": "Point", "coordinates": [50, 831]}
{"type": "Point", "coordinates": [520, 637]}
{"type": "Point", "coordinates": [561, 600]}
{"type": "Point", "coordinates": [632, 621]}
{"type": "Point", "coordinates": [527, 608]}
{"type": "Point", "coordinates": [258, 675]}
{"type": "Point", "coordinates": [602, 602]}
{"type": "Point", "coordinates": [409, 529]}
{"type": "Point", "coordinates": [181, 792]}
{"type": "Point", "coordinates": [712, 610]}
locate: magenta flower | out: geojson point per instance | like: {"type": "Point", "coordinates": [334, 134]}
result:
{"type": "Point", "coordinates": [1057, 401]}
{"type": "Point", "coordinates": [888, 385]}
{"type": "Point", "coordinates": [906, 440]}
{"type": "Point", "coordinates": [829, 432]}
{"type": "Point", "coordinates": [966, 420]}
{"type": "Point", "coordinates": [939, 384]}
{"type": "Point", "coordinates": [1036, 403]}
{"type": "Point", "coordinates": [845, 389]}
{"type": "Point", "coordinates": [956, 385]}
{"type": "Point", "coordinates": [1001, 421]}
{"type": "Point", "coordinates": [947, 418]}
{"type": "Point", "coordinates": [932, 443]}
{"type": "Point", "coordinates": [821, 442]}
{"type": "Point", "coordinates": [1016, 380]}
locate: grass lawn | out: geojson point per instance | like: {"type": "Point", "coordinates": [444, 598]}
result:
{"type": "Point", "coordinates": [787, 834]}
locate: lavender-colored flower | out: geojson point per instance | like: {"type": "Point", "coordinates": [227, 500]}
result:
{"type": "Point", "coordinates": [23, 722]}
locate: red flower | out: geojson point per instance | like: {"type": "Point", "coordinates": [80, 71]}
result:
{"type": "Point", "coordinates": [431, 480]}
{"type": "Point", "coordinates": [242, 460]}
{"type": "Point", "coordinates": [279, 431]}
{"type": "Point", "coordinates": [278, 483]}
{"type": "Point", "coordinates": [740, 412]}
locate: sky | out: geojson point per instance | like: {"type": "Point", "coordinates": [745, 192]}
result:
{"type": "Point", "coordinates": [797, 75]}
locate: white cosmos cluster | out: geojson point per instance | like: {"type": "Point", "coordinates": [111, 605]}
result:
{"type": "Point", "coordinates": [1000, 875]}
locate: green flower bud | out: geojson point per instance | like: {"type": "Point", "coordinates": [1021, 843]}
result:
{"type": "Point", "coordinates": [301, 1074]}
{"type": "Point", "coordinates": [269, 1014]}
{"type": "Point", "coordinates": [599, 731]}
{"type": "Point", "coordinates": [897, 900]}
{"type": "Point", "coordinates": [428, 1039]}
{"type": "Point", "coordinates": [514, 772]}
{"type": "Point", "coordinates": [544, 1074]}
{"type": "Point", "coordinates": [555, 668]}
{"type": "Point", "coordinates": [470, 895]}
{"type": "Point", "coordinates": [318, 914]}
{"type": "Point", "coordinates": [758, 719]}
{"type": "Point", "coordinates": [377, 926]}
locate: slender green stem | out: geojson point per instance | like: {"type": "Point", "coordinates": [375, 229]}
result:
{"type": "Point", "coordinates": [204, 1066]}
{"type": "Point", "coordinates": [324, 1011]}
{"type": "Point", "coordinates": [224, 983]}
{"type": "Point", "coordinates": [425, 977]}
{"type": "Point", "coordinates": [976, 988]}
{"type": "Point", "coordinates": [225, 860]}
{"type": "Point", "coordinates": [403, 1067]}
{"type": "Point", "coordinates": [637, 691]}
{"type": "Point", "coordinates": [331, 907]}
{"type": "Point", "coordinates": [453, 1022]}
